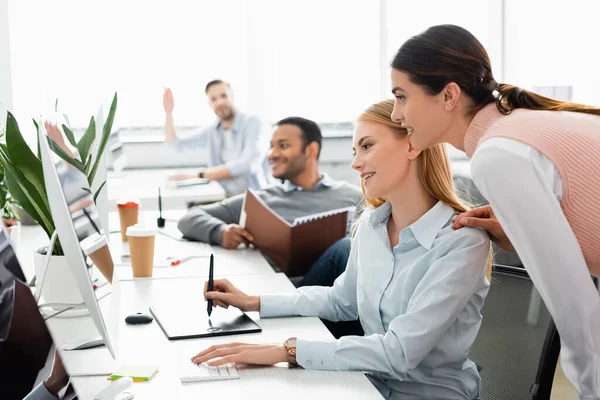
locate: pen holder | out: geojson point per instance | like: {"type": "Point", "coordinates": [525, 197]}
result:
{"type": "Point", "coordinates": [160, 222]}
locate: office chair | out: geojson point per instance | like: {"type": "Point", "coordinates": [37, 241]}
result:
{"type": "Point", "coordinates": [517, 348]}
{"type": "Point", "coordinates": [463, 182]}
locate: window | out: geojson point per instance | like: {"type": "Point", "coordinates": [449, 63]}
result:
{"type": "Point", "coordinates": [482, 18]}
{"type": "Point", "coordinates": [82, 53]}
{"type": "Point", "coordinates": [551, 44]}
{"type": "Point", "coordinates": [313, 58]}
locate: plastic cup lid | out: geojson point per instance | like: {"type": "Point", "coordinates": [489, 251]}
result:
{"type": "Point", "coordinates": [93, 243]}
{"type": "Point", "coordinates": [140, 231]}
{"type": "Point", "coordinates": [128, 203]}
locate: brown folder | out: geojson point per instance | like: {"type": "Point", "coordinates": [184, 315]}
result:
{"type": "Point", "coordinates": [293, 247]}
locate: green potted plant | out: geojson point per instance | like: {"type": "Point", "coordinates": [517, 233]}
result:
{"type": "Point", "coordinates": [25, 182]}
{"type": "Point", "coordinates": [8, 205]}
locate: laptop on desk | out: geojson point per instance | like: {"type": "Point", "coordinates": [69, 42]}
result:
{"type": "Point", "coordinates": [170, 230]}
{"type": "Point", "coordinates": [189, 320]}
{"type": "Point", "coordinates": [187, 183]}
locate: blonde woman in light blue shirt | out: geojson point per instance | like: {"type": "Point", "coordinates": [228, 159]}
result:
{"type": "Point", "coordinates": [417, 285]}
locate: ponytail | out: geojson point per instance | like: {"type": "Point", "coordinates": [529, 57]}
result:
{"type": "Point", "coordinates": [512, 97]}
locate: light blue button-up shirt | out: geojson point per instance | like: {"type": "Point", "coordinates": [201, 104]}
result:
{"type": "Point", "coordinates": [251, 145]}
{"type": "Point", "coordinates": [418, 303]}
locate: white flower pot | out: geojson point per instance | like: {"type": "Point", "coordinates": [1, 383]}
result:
{"type": "Point", "coordinates": [59, 284]}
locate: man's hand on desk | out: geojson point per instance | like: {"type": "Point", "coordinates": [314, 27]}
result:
{"type": "Point", "coordinates": [182, 177]}
{"type": "Point", "coordinates": [234, 235]}
{"type": "Point", "coordinates": [224, 294]}
{"type": "Point", "coordinates": [242, 353]}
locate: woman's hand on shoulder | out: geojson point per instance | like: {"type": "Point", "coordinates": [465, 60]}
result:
{"type": "Point", "coordinates": [484, 217]}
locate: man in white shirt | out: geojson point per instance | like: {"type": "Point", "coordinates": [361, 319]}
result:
{"type": "Point", "coordinates": [237, 143]}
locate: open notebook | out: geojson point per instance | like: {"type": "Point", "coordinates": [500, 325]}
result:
{"type": "Point", "coordinates": [293, 247]}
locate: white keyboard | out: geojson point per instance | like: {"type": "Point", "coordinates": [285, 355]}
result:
{"type": "Point", "coordinates": [190, 372]}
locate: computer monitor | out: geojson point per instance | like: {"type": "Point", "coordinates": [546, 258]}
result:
{"type": "Point", "coordinates": [25, 342]}
{"type": "Point", "coordinates": [75, 218]}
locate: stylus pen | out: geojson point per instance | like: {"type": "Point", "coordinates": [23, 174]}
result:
{"type": "Point", "coordinates": [159, 204]}
{"type": "Point", "coordinates": [211, 272]}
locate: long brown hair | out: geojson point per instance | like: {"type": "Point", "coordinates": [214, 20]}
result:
{"type": "Point", "coordinates": [432, 164]}
{"type": "Point", "coordinates": [448, 53]}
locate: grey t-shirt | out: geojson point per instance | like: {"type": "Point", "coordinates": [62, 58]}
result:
{"type": "Point", "coordinates": [206, 223]}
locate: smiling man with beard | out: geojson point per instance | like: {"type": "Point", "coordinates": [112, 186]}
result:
{"type": "Point", "coordinates": [294, 159]}
{"type": "Point", "coordinates": [235, 141]}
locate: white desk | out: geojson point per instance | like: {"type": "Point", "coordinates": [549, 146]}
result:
{"type": "Point", "coordinates": [144, 184]}
{"type": "Point", "coordinates": [227, 262]}
{"type": "Point", "coordinates": [147, 344]}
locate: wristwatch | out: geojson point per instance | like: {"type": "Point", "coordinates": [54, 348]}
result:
{"type": "Point", "coordinates": [290, 347]}
{"type": "Point", "coordinates": [201, 174]}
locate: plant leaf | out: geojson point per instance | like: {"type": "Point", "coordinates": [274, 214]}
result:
{"type": "Point", "coordinates": [37, 130]}
{"type": "Point", "coordinates": [22, 158]}
{"type": "Point", "coordinates": [2, 199]}
{"type": "Point", "coordinates": [86, 141]}
{"type": "Point", "coordinates": [63, 154]}
{"type": "Point", "coordinates": [88, 166]}
{"type": "Point", "coordinates": [105, 135]}
{"type": "Point", "coordinates": [25, 193]}
{"type": "Point", "coordinates": [70, 136]}
{"type": "Point", "coordinates": [98, 191]}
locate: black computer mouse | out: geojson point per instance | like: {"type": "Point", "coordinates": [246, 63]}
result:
{"type": "Point", "coordinates": [138, 319]}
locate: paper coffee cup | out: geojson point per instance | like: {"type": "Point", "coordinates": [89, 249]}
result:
{"type": "Point", "coordinates": [141, 249]}
{"type": "Point", "coordinates": [128, 215]}
{"type": "Point", "coordinates": [95, 247]}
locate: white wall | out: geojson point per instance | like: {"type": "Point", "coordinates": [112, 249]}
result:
{"type": "Point", "coordinates": [554, 43]}
{"type": "Point", "coordinates": [5, 75]}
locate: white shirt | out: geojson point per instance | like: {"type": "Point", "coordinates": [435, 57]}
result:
{"type": "Point", "coordinates": [250, 138]}
{"type": "Point", "coordinates": [524, 189]}
{"type": "Point", "coordinates": [228, 148]}
{"type": "Point", "coordinates": [418, 303]}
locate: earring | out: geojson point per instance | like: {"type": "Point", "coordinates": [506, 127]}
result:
{"type": "Point", "coordinates": [448, 106]}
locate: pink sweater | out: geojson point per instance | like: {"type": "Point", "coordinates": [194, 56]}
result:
{"type": "Point", "coordinates": [571, 141]}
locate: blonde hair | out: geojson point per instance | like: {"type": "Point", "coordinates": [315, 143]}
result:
{"type": "Point", "coordinates": [432, 164]}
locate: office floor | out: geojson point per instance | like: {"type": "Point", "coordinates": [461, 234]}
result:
{"type": "Point", "coordinates": [562, 388]}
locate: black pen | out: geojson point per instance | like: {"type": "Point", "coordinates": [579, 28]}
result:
{"type": "Point", "coordinates": [211, 272]}
{"type": "Point", "coordinates": [159, 204]}
{"type": "Point", "coordinates": [160, 221]}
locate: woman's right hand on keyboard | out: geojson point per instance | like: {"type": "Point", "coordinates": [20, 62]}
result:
{"type": "Point", "coordinates": [224, 294]}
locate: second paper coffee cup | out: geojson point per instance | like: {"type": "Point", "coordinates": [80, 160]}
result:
{"type": "Point", "coordinates": [141, 249]}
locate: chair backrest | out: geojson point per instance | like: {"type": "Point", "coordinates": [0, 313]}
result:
{"type": "Point", "coordinates": [517, 347]}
